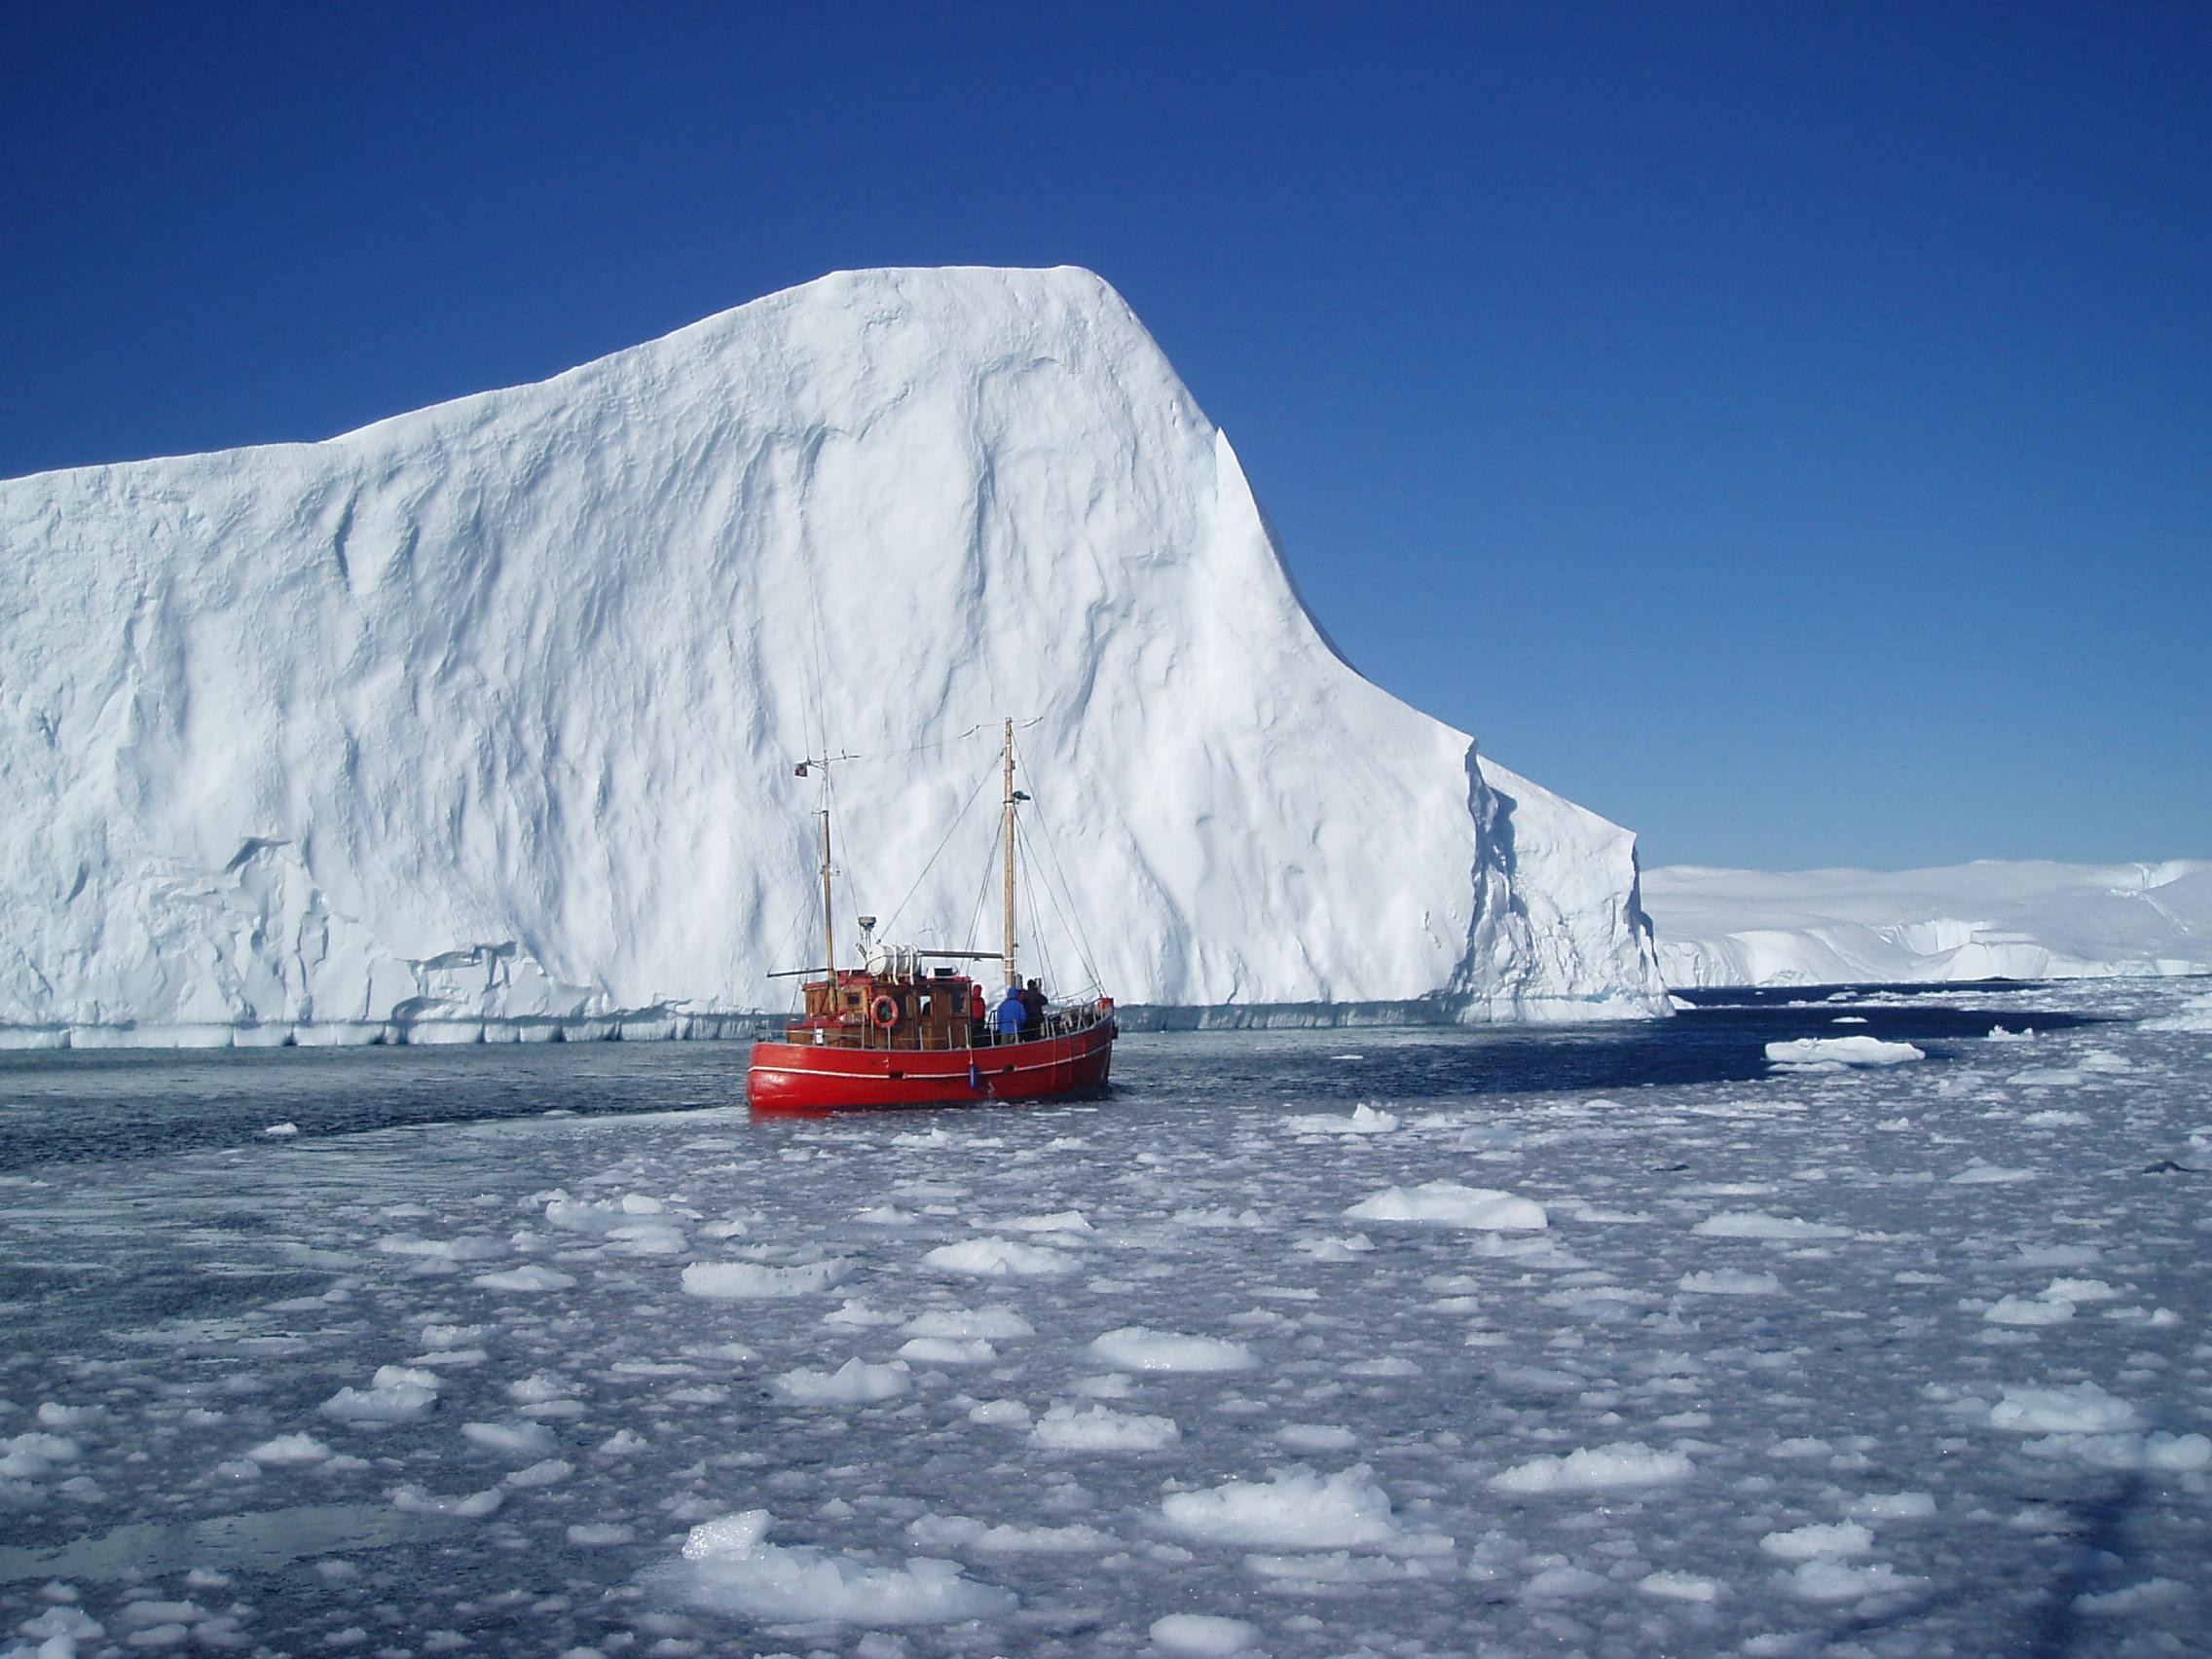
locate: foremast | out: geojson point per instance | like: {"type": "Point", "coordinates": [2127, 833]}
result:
{"type": "Point", "coordinates": [1012, 796]}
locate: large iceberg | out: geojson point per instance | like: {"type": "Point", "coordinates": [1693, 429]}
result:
{"type": "Point", "coordinates": [488, 713]}
{"type": "Point", "coordinates": [1993, 919]}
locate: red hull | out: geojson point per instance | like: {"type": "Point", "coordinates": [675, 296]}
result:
{"type": "Point", "coordinates": [806, 1077]}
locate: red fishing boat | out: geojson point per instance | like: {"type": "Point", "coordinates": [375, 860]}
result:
{"type": "Point", "coordinates": [899, 1030]}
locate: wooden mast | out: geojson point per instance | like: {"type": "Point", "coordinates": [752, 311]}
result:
{"type": "Point", "coordinates": [829, 923]}
{"type": "Point", "coordinates": [1010, 974]}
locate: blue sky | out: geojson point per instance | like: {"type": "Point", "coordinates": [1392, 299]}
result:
{"type": "Point", "coordinates": [1786, 429]}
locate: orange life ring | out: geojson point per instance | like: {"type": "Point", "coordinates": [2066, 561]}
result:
{"type": "Point", "coordinates": [884, 1011]}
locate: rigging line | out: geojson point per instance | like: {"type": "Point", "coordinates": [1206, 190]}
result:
{"type": "Point", "coordinates": [1029, 893]}
{"type": "Point", "coordinates": [1066, 926]}
{"type": "Point", "coordinates": [982, 896]}
{"type": "Point", "coordinates": [898, 909]}
{"type": "Point", "coordinates": [1075, 926]}
{"type": "Point", "coordinates": [1029, 890]}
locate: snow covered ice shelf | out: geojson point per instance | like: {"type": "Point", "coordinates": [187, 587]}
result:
{"type": "Point", "coordinates": [1885, 1359]}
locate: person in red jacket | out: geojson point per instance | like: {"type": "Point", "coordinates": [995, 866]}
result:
{"type": "Point", "coordinates": [979, 1015]}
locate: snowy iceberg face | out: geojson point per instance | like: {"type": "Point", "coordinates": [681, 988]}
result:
{"type": "Point", "coordinates": [1991, 919]}
{"type": "Point", "coordinates": [486, 712]}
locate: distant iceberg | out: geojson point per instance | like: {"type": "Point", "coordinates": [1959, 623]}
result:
{"type": "Point", "coordinates": [480, 722]}
{"type": "Point", "coordinates": [1977, 921]}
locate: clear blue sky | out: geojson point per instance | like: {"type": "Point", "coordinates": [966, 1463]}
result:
{"type": "Point", "coordinates": [1786, 429]}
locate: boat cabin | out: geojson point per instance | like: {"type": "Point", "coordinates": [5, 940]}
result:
{"type": "Point", "coordinates": [865, 1009]}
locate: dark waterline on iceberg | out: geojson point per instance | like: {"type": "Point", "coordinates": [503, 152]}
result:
{"type": "Point", "coordinates": [82, 1106]}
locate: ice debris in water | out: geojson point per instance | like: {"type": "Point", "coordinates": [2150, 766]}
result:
{"type": "Point", "coordinates": [1365, 1119]}
{"type": "Point", "coordinates": [1294, 1509]}
{"type": "Point", "coordinates": [1202, 1633]}
{"type": "Point", "coordinates": [1137, 1348]}
{"type": "Point", "coordinates": [1819, 1054]}
{"type": "Point", "coordinates": [1593, 1468]}
{"type": "Point", "coordinates": [729, 1566]}
{"type": "Point", "coordinates": [999, 1258]}
{"type": "Point", "coordinates": [753, 1280]}
{"type": "Point", "coordinates": [1096, 1428]}
{"type": "Point", "coordinates": [1447, 1204]}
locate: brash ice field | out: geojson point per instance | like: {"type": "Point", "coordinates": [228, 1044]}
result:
{"type": "Point", "coordinates": [1889, 1337]}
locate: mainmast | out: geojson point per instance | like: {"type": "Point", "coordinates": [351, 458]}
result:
{"type": "Point", "coordinates": [829, 923]}
{"type": "Point", "coordinates": [1010, 798]}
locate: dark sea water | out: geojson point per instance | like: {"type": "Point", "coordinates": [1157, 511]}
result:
{"type": "Point", "coordinates": [120, 1104]}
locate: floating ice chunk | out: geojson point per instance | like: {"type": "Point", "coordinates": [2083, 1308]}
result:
{"type": "Point", "coordinates": [729, 1567]}
{"type": "Point", "coordinates": [548, 1473]}
{"type": "Point", "coordinates": [2132, 1598]}
{"type": "Point", "coordinates": [1317, 1437]}
{"type": "Point", "coordinates": [1137, 1347]}
{"type": "Point", "coordinates": [1979, 1174]}
{"type": "Point", "coordinates": [2197, 1016]}
{"type": "Point", "coordinates": [739, 1281]}
{"type": "Point", "coordinates": [999, 1413]}
{"type": "Point", "coordinates": [1679, 1586]}
{"type": "Point", "coordinates": [1348, 1249]}
{"type": "Point", "coordinates": [1364, 1120]}
{"type": "Point", "coordinates": [35, 1456]}
{"type": "Point", "coordinates": [1893, 1506]}
{"type": "Point", "coordinates": [474, 1506]}
{"type": "Point", "coordinates": [2056, 1256]}
{"type": "Point", "coordinates": [856, 1382]}
{"type": "Point", "coordinates": [1730, 1282]}
{"type": "Point", "coordinates": [2030, 1310]}
{"type": "Point", "coordinates": [1065, 1221]}
{"type": "Point", "coordinates": [2055, 1119]}
{"type": "Point", "coordinates": [962, 1532]}
{"type": "Point", "coordinates": [1839, 1053]}
{"type": "Point", "coordinates": [2079, 1408]}
{"type": "Point", "coordinates": [1202, 1633]}
{"type": "Point", "coordinates": [518, 1440]}
{"type": "Point", "coordinates": [391, 1398]}
{"type": "Point", "coordinates": [1826, 1579]}
{"type": "Point", "coordinates": [855, 1312]}
{"type": "Point", "coordinates": [1295, 1509]}
{"type": "Point", "coordinates": [1594, 1468]}
{"type": "Point", "coordinates": [1562, 1582]}
{"type": "Point", "coordinates": [2175, 1454]}
{"type": "Point", "coordinates": [1219, 1218]}
{"type": "Point", "coordinates": [528, 1278]}
{"type": "Point", "coordinates": [948, 1350]}
{"type": "Point", "coordinates": [884, 1215]}
{"type": "Point", "coordinates": [477, 1249]}
{"type": "Point", "coordinates": [999, 1258]}
{"type": "Point", "coordinates": [1998, 1034]}
{"type": "Point", "coordinates": [289, 1449]}
{"type": "Point", "coordinates": [1757, 1224]}
{"type": "Point", "coordinates": [995, 1324]}
{"type": "Point", "coordinates": [1067, 1429]}
{"type": "Point", "coordinates": [281, 1130]}
{"type": "Point", "coordinates": [1806, 1543]}
{"type": "Point", "coordinates": [1447, 1204]}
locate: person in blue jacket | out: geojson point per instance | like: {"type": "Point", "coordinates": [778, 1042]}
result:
{"type": "Point", "coordinates": [1011, 1012]}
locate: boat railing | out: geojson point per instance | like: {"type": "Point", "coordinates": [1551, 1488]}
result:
{"type": "Point", "coordinates": [1067, 1021]}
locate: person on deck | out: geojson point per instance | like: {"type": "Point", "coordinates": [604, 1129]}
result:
{"type": "Point", "coordinates": [1032, 1009]}
{"type": "Point", "coordinates": [1011, 1012]}
{"type": "Point", "coordinates": [979, 1015]}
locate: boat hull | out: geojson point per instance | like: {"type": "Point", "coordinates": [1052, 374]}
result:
{"type": "Point", "coordinates": [804, 1078]}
